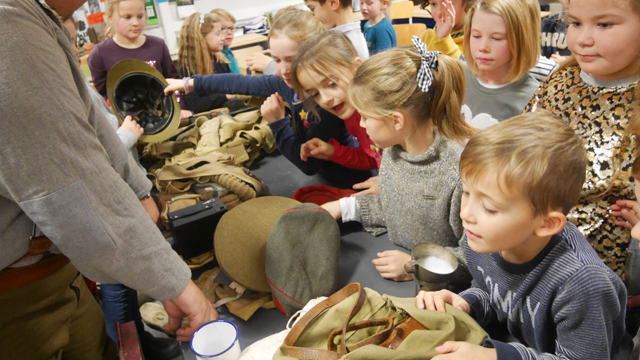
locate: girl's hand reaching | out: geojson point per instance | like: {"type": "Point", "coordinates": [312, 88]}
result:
{"type": "Point", "coordinates": [446, 19]}
{"type": "Point", "coordinates": [316, 148]}
{"type": "Point", "coordinates": [273, 108]}
{"type": "Point", "coordinates": [132, 126]}
{"type": "Point", "coordinates": [176, 85]}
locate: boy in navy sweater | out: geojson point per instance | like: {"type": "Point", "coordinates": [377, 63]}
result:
{"type": "Point", "coordinates": [532, 271]}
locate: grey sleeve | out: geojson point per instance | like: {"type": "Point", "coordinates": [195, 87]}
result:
{"type": "Point", "coordinates": [270, 69]}
{"type": "Point", "coordinates": [372, 214]}
{"type": "Point", "coordinates": [127, 137]}
{"type": "Point", "coordinates": [64, 165]}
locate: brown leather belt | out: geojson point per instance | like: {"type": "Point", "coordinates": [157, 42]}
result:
{"type": "Point", "coordinates": [12, 278]}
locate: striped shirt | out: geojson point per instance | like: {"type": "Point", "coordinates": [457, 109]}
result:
{"type": "Point", "coordinates": [563, 304]}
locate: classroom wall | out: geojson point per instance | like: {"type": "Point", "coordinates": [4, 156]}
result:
{"type": "Point", "coordinates": [170, 23]}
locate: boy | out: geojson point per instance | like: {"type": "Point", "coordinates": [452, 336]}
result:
{"type": "Point", "coordinates": [338, 15]}
{"type": "Point", "coordinates": [532, 271]}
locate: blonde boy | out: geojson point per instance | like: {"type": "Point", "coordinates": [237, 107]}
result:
{"type": "Point", "coordinates": [338, 15]}
{"type": "Point", "coordinates": [532, 271]}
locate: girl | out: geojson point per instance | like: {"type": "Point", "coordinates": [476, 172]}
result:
{"type": "Point", "coordinates": [378, 31]}
{"type": "Point", "coordinates": [412, 110]}
{"type": "Point", "coordinates": [448, 34]}
{"type": "Point", "coordinates": [594, 93]}
{"type": "Point", "coordinates": [125, 21]}
{"type": "Point", "coordinates": [501, 46]}
{"type": "Point", "coordinates": [228, 29]}
{"type": "Point", "coordinates": [201, 43]}
{"type": "Point", "coordinates": [290, 28]}
{"type": "Point", "coordinates": [323, 76]}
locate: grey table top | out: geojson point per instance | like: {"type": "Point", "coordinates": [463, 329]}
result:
{"type": "Point", "coordinates": [357, 250]}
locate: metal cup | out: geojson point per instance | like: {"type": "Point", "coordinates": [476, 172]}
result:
{"type": "Point", "coordinates": [431, 278]}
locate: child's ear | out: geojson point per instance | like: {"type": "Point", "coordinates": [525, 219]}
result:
{"type": "Point", "coordinates": [398, 120]}
{"type": "Point", "coordinates": [357, 62]}
{"type": "Point", "coordinates": [552, 224]}
{"type": "Point", "coordinates": [334, 5]}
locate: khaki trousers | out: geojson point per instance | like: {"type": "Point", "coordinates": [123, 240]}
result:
{"type": "Point", "coordinates": [54, 318]}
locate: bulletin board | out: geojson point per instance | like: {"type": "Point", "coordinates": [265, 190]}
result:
{"type": "Point", "coordinates": [152, 15]}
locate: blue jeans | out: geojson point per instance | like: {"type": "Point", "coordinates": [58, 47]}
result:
{"type": "Point", "coordinates": [120, 304]}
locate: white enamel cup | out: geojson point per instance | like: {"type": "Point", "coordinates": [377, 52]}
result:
{"type": "Point", "coordinates": [216, 340]}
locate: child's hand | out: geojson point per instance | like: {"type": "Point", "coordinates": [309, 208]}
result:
{"type": "Point", "coordinates": [371, 186]}
{"type": "Point", "coordinates": [176, 85]}
{"type": "Point", "coordinates": [559, 59]}
{"type": "Point", "coordinates": [258, 61]}
{"type": "Point", "coordinates": [333, 208]}
{"type": "Point", "coordinates": [390, 265]}
{"type": "Point", "coordinates": [185, 114]}
{"type": "Point", "coordinates": [446, 19]}
{"type": "Point", "coordinates": [133, 126]}
{"type": "Point", "coordinates": [435, 300]}
{"type": "Point", "coordinates": [316, 148]}
{"type": "Point", "coordinates": [629, 210]}
{"type": "Point", "coordinates": [272, 109]}
{"type": "Point", "coordinates": [452, 350]}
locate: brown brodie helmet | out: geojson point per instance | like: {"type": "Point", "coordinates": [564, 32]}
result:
{"type": "Point", "coordinates": [137, 89]}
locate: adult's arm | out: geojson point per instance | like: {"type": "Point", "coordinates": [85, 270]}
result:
{"type": "Point", "coordinates": [64, 166]}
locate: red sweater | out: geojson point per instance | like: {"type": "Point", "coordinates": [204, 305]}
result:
{"type": "Point", "coordinates": [365, 157]}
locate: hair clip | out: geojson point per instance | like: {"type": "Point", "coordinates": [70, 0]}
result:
{"type": "Point", "coordinates": [201, 19]}
{"type": "Point", "coordinates": [429, 61]}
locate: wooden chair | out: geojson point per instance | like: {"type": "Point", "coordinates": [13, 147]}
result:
{"type": "Point", "coordinates": [241, 55]}
{"type": "Point", "coordinates": [402, 10]}
{"type": "Point", "coordinates": [404, 32]}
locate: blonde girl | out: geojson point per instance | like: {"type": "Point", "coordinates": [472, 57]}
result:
{"type": "Point", "coordinates": [378, 31]}
{"type": "Point", "coordinates": [201, 43]}
{"type": "Point", "coordinates": [412, 110]}
{"type": "Point", "coordinates": [290, 28]}
{"type": "Point", "coordinates": [502, 43]}
{"type": "Point", "coordinates": [228, 29]}
{"type": "Point", "coordinates": [126, 20]}
{"type": "Point", "coordinates": [595, 93]}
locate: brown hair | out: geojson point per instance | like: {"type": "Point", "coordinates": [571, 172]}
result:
{"type": "Point", "coordinates": [522, 19]}
{"type": "Point", "coordinates": [110, 9]}
{"type": "Point", "coordinates": [224, 14]}
{"type": "Point", "coordinates": [387, 82]}
{"type": "Point", "coordinates": [343, 3]}
{"type": "Point", "coordinates": [535, 154]}
{"type": "Point", "coordinates": [194, 54]}
{"type": "Point", "coordinates": [296, 24]}
{"type": "Point", "coordinates": [325, 53]}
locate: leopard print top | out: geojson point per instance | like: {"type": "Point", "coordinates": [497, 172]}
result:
{"type": "Point", "coordinates": [599, 116]}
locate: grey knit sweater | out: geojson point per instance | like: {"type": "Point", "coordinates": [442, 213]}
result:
{"type": "Point", "coordinates": [419, 200]}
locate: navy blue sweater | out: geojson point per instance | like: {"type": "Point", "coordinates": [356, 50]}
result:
{"type": "Point", "coordinates": [564, 304]}
{"type": "Point", "coordinates": [290, 140]}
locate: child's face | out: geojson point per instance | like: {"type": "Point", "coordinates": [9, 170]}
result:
{"type": "Point", "coordinates": [128, 19]}
{"type": "Point", "coordinates": [322, 12]}
{"type": "Point", "coordinates": [602, 35]}
{"type": "Point", "coordinates": [435, 8]}
{"type": "Point", "coordinates": [489, 45]}
{"type": "Point", "coordinates": [227, 30]}
{"type": "Point", "coordinates": [371, 9]}
{"type": "Point", "coordinates": [381, 131]}
{"type": "Point", "coordinates": [498, 222]}
{"type": "Point", "coordinates": [330, 92]}
{"type": "Point", "coordinates": [283, 51]}
{"type": "Point", "coordinates": [214, 39]}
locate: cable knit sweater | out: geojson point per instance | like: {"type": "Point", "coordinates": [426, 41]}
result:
{"type": "Point", "coordinates": [419, 200]}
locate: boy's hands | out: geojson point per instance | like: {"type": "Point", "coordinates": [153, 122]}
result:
{"type": "Point", "coordinates": [333, 208]}
{"type": "Point", "coordinates": [133, 126]}
{"type": "Point", "coordinates": [446, 19]}
{"type": "Point", "coordinates": [435, 300]}
{"type": "Point", "coordinates": [452, 350]}
{"type": "Point", "coordinates": [272, 109]}
{"type": "Point", "coordinates": [390, 265]}
{"type": "Point", "coordinates": [316, 148]}
{"type": "Point", "coordinates": [629, 210]}
{"type": "Point", "coordinates": [371, 186]}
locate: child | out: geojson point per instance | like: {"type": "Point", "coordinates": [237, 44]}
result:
{"type": "Point", "coordinates": [338, 15]}
{"type": "Point", "coordinates": [125, 21]}
{"type": "Point", "coordinates": [532, 271]}
{"type": "Point", "coordinates": [594, 94]}
{"type": "Point", "coordinates": [201, 44]}
{"type": "Point", "coordinates": [378, 31]}
{"type": "Point", "coordinates": [323, 77]}
{"type": "Point", "coordinates": [499, 55]}
{"type": "Point", "coordinates": [553, 38]}
{"type": "Point", "coordinates": [448, 35]}
{"type": "Point", "coordinates": [419, 126]}
{"type": "Point", "coordinates": [228, 29]}
{"type": "Point", "coordinates": [290, 28]}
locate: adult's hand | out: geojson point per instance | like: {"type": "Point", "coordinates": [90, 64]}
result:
{"type": "Point", "coordinates": [191, 304]}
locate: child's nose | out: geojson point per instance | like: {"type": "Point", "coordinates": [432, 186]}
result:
{"type": "Point", "coordinates": [584, 38]}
